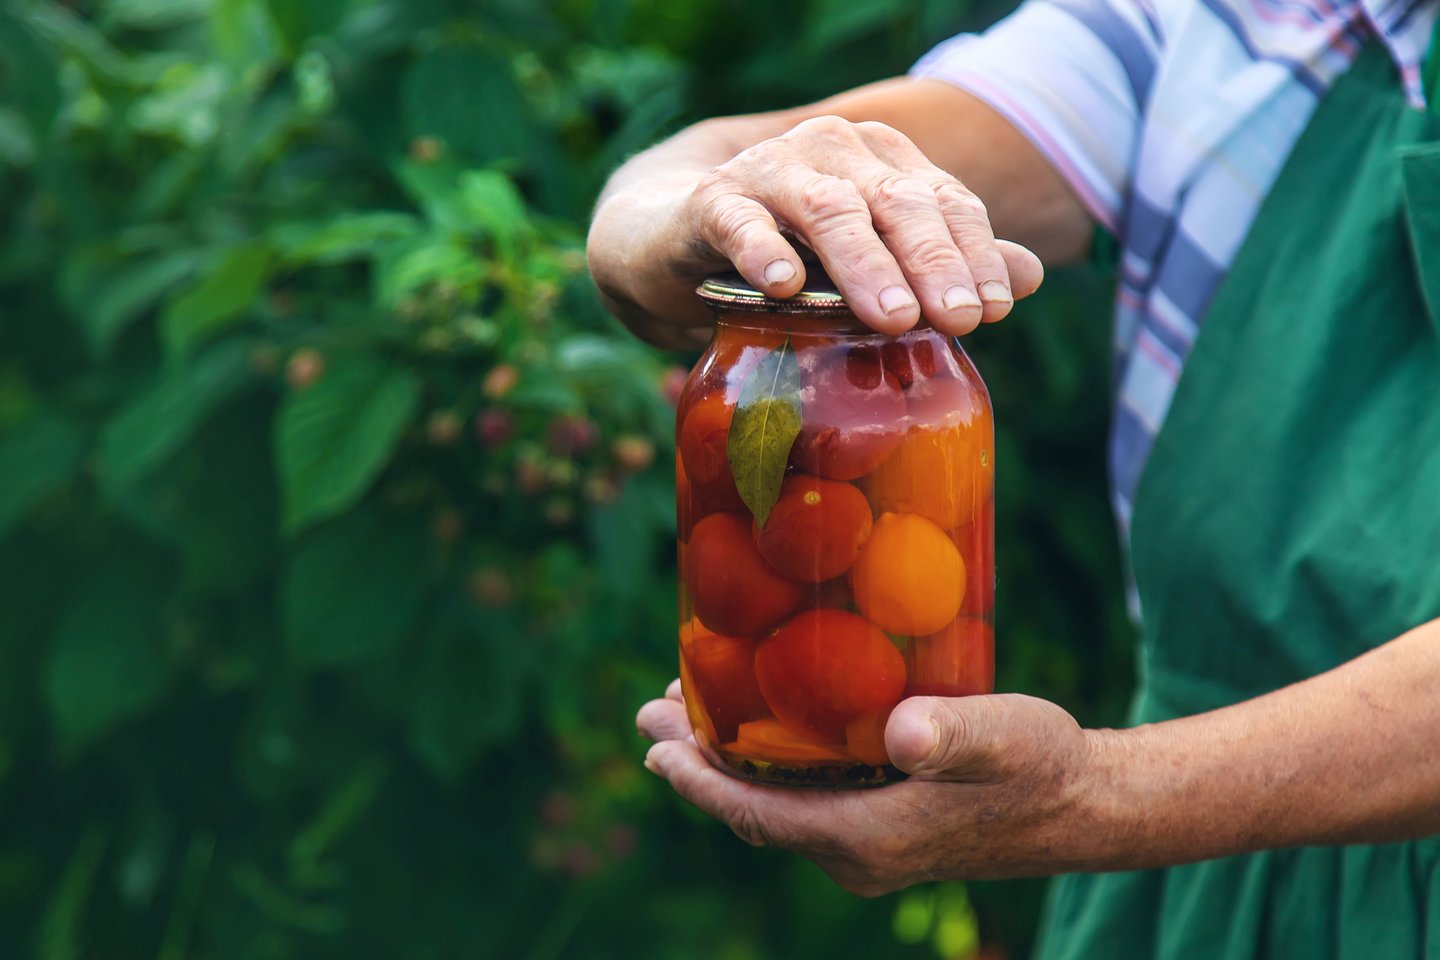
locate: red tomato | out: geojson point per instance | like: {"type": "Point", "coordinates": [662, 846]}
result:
{"type": "Point", "coordinates": [911, 358]}
{"type": "Point", "coordinates": [684, 501]}
{"type": "Point", "coordinates": [722, 677]}
{"type": "Point", "coordinates": [957, 661]}
{"type": "Point", "coordinates": [734, 592]}
{"type": "Point", "coordinates": [815, 530]}
{"type": "Point", "coordinates": [704, 436]}
{"type": "Point", "coordinates": [824, 668]}
{"type": "Point", "coordinates": [852, 412]}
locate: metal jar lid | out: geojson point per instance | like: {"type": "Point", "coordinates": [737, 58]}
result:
{"type": "Point", "coordinates": [730, 291]}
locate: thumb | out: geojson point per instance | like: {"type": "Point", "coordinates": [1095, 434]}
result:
{"type": "Point", "coordinates": [970, 739]}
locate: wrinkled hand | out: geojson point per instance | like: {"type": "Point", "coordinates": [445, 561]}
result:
{"type": "Point", "coordinates": [998, 788]}
{"type": "Point", "coordinates": [896, 233]}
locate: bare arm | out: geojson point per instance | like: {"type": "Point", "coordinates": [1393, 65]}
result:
{"type": "Point", "coordinates": [1010, 785]}
{"type": "Point", "coordinates": [884, 183]}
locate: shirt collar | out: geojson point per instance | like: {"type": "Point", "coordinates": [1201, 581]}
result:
{"type": "Point", "coordinates": [1406, 28]}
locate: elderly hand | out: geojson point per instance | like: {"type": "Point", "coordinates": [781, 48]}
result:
{"type": "Point", "coordinates": [897, 234]}
{"type": "Point", "coordinates": [900, 235]}
{"type": "Point", "coordinates": [1000, 786]}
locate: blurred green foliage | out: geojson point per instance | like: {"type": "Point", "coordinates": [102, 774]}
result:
{"type": "Point", "coordinates": [336, 518]}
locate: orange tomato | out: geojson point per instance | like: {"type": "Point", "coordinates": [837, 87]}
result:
{"type": "Point", "coordinates": [815, 529]}
{"type": "Point", "coordinates": [865, 737]}
{"type": "Point", "coordinates": [852, 412]}
{"type": "Point", "coordinates": [732, 589]}
{"type": "Point", "coordinates": [770, 741]}
{"type": "Point", "coordinates": [955, 661]}
{"type": "Point", "coordinates": [909, 577]}
{"type": "Point", "coordinates": [944, 467]}
{"type": "Point", "coordinates": [824, 668]}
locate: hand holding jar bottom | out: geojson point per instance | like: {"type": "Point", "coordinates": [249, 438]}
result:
{"type": "Point", "coordinates": [808, 611]}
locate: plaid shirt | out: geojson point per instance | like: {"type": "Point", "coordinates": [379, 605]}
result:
{"type": "Point", "coordinates": [1171, 119]}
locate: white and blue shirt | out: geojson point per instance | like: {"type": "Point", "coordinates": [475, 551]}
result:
{"type": "Point", "coordinates": [1171, 120]}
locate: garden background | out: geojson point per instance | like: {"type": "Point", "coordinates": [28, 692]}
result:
{"type": "Point", "coordinates": [336, 517]}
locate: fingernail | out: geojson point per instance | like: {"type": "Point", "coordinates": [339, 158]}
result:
{"type": "Point", "coordinates": [957, 296]}
{"type": "Point", "coordinates": [934, 743]}
{"type": "Point", "coordinates": [652, 764]}
{"type": "Point", "coordinates": [779, 271]}
{"type": "Point", "coordinates": [894, 299]}
{"type": "Point", "coordinates": [996, 291]}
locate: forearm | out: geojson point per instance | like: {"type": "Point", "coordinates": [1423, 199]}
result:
{"type": "Point", "coordinates": [1350, 756]}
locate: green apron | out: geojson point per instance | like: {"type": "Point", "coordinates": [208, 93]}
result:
{"type": "Point", "coordinates": [1288, 520]}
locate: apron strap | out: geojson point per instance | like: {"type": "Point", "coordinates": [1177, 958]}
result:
{"type": "Point", "coordinates": [1430, 71]}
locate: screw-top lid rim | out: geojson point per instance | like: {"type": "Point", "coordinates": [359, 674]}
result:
{"type": "Point", "coordinates": [734, 292]}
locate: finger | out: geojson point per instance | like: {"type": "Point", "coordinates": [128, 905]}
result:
{"type": "Point", "coordinates": [979, 739]}
{"type": "Point", "coordinates": [832, 218]}
{"type": "Point", "coordinates": [969, 224]}
{"type": "Point", "coordinates": [749, 810]}
{"type": "Point", "coordinates": [901, 188]}
{"type": "Point", "coordinates": [1026, 270]}
{"type": "Point", "coordinates": [673, 692]}
{"type": "Point", "coordinates": [908, 217]}
{"type": "Point", "coordinates": [743, 231]}
{"type": "Point", "coordinates": [663, 720]}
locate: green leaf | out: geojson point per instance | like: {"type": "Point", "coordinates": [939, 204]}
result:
{"type": "Point", "coordinates": [185, 104]}
{"type": "Point", "coordinates": [482, 203]}
{"type": "Point", "coordinates": [215, 501]}
{"type": "Point", "coordinates": [36, 457]}
{"type": "Point", "coordinates": [17, 142]}
{"type": "Point", "coordinates": [107, 662]}
{"type": "Point", "coordinates": [117, 302]}
{"type": "Point", "coordinates": [489, 200]}
{"type": "Point", "coordinates": [343, 238]}
{"type": "Point", "coordinates": [354, 588]}
{"type": "Point", "coordinates": [469, 693]}
{"type": "Point", "coordinates": [62, 929]}
{"type": "Point", "coordinates": [151, 14]}
{"type": "Point", "coordinates": [467, 97]}
{"type": "Point", "coordinates": [407, 267]}
{"type": "Point", "coordinates": [333, 438]}
{"type": "Point", "coordinates": [345, 807]}
{"type": "Point", "coordinates": [218, 300]}
{"type": "Point", "coordinates": [153, 426]}
{"type": "Point", "coordinates": [765, 425]}
{"type": "Point", "coordinates": [32, 71]}
{"type": "Point", "coordinates": [840, 21]}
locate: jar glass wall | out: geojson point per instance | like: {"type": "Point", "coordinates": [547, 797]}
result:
{"type": "Point", "coordinates": [835, 492]}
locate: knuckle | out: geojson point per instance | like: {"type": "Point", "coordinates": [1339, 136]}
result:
{"type": "Point", "coordinates": [828, 127]}
{"type": "Point", "coordinates": [956, 200]}
{"type": "Point", "coordinates": [881, 133]}
{"type": "Point", "coordinates": [824, 200]}
{"type": "Point", "coordinates": [933, 253]}
{"type": "Point", "coordinates": [898, 190]}
{"type": "Point", "coordinates": [732, 222]}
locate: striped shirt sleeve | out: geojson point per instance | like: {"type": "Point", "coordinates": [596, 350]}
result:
{"type": "Point", "coordinates": [1074, 76]}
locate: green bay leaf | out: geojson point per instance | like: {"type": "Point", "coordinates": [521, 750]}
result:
{"type": "Point", "coordinates": [764, 427]}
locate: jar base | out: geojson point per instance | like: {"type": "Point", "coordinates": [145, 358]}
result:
{"type": "Point", "coordinates": [831, 776]}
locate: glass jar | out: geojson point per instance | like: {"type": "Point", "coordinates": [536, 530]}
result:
{"type": "Point", "coordinates": [835, 494]}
